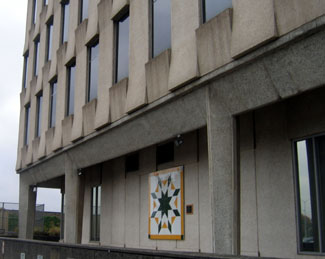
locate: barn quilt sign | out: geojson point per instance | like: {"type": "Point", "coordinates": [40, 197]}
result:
{"type": "Point", "coordinates": [166, 217]}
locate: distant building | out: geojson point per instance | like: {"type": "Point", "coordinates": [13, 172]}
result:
{"type": "Point", "coordinates": [189, 125]}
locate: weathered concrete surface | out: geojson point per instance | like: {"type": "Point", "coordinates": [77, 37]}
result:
{"type": "Point", "coordinates": [117, 99]}
{"type": "Point", "coordinates": [119, 6]}
{"type": "Point", "coordinates": [88, 115]}
{"type": "Point", "coordinates": [213, 42]}
{"type": "Point", "coordinates": [253, 25]}
{"type": "Point", "coordinates": [157, 72]}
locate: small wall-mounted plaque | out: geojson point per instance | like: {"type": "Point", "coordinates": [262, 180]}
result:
{"type": "Point", "coordinates": [189, 209]}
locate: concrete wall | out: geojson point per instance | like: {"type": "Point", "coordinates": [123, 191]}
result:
{"type": "Point", "coordinates": [268, 213]}
{"type": "Point", "coordinates": [124, 218]}
{"type": "Point", "coordinates": [196, 50]}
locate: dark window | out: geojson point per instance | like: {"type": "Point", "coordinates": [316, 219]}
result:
{"type": "Point", "coordinates": [165, 153]}
{"type": "Point", "coordinates": [34, 11]}
{"type": "Point", "coordinates": [70, 90]}
{"type": "Point", "coordinates": [25, 72]}
{"type": "Point", "coordinates": [49, 39]}
{"type": "Point", "coordinates": [132, 162]}
{"type": "Point", "coordinates": [65, 21]}
{"type": "Point", "coordinates": [310, 172]}
{"type": "Point", "coordinates": [39, 114]}
{"type": "Point", "coordinates": [212, 7]}
{"type": "Point", "coordinates": [45, 2]}
{"type": "Point", "coordinates": [83, 10]}
{"type": "Point", "coordinates": [93, 52]}
{"type": "Point", "coordinates": [26, 135]}
{"type": "Point", "coordinates": [53, 103]}
{"type": "Point", "coordinates": [161, 29]}
{"type": "Point", "coordinates": [95, 213]}
{"type": "Point", "coordinates": [122, 48]}
{"type": "Point", "coordinates": [36, 55]}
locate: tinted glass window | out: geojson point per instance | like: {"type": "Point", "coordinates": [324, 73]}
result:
{"type": "Point", "coordinates": [122, 59]}
{"type": "Point", "coordinates": [93, 71]}
{"type": "Point", "coordinates": [161, 26]}
{"type": "Point", "coordinates": [49, 39]}
{"type": "Point", "coordinates": [26, 135]}
{"type": "Point", "coordinates": [71, 86]}
{"type": "Point", "coordinates": [212, 7]}
{"type": "Point", "coordinates": [45, 2]}
{"type": "Point", "coordinates": [34, 11]}
{"type": "Point", "coordinates": [39, 115]}
{"type": "Point", "coordinates": [53, 104]}
{"type": "Point", "coordinates": [65, 21]}
{"type": "Point", "coordinates": [25, 73]}
{"type": "Point", "coordinates": [165, 153]}
{"type": "Point", "coordinates": [95, 213]}
{"type": "Point", "coordinates": [310, 165]}
{"type": "Point", "coordinates": [36, 56]}
{"type": "Point", "coordinates": [84, 10]}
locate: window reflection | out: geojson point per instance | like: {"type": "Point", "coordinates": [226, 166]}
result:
{"type": "Point", "coordinates": [65, 21]}
{"type": "Point", "coordinates": [84, 10]}
{"type": "Point", "coordinates": [122, 59]}
{"type": "Point", "coordinates": [212, 7]}
{"type": "Point", "coordinates": [93, 71]}
{"type": "Point", "coordinates": [53, 104]}
{"type": "Point", "coordinates": [71, 87]}
{"type": "Point", "coordinates": [161, 26]}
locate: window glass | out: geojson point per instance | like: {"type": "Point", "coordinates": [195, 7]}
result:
{"type": "Point", "coordinates": [53, 104]}
{"type": "Point", "coordinates": [34, 11]}
{"type": "Point", "coordinates": [65, 21]}
{"type": "Point", "coordinates": [39, 114]}
{"type": "Point", "coordinates": [25, 73]}
{"type": "Point", "coordinates": [45, 2]}
{"type": "Point", "coordinates": [93, 71]}
{"type": "Point", "coordinates": [84, 10]}
{"type": "Point", "coordinates": [71, 87]}
{"type": "Point", "coordinates": [49, 39]}
{"type": "Point", "coordinates": [161, 26]}
{"type": "Point", "coordinates": [122, 59]}
{"type": "Point", "coordinates": [95, 213]}
{"type": "Point", "coordinates": [36, 56]}
{"type": "Point", "coordinates": [310, 178]}
{"type": "Point", "coordinates": [165, 153]}
{"type": "Point", "coordinates": [212, 7]}
{"type": "Point", "coordinates": [26, 135]}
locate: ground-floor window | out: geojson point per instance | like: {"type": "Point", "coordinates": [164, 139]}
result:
{"type": "Point", "coordinates": [310, 173]}
{"type": "Point", "coordinates": [95, 213]}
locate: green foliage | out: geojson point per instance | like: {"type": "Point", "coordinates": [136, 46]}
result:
{"type": "Point", "coordinates": [51, 223]}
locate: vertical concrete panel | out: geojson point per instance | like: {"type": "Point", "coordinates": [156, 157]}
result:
{"type": "Point", "coordinates": [88, 115]}
{"type": "Point", "coordinates": [105, 73]}
{"type": "Point", "coordinates": [86, 212]}
{"type": "Point", "coordinates": [21, 131]}
{"type": "Point", "coordinates": [107, 205]}
{"type": "Point", "coordinates": [204, 206]}
{"type": "Point", "coordinates": [117, 99]}
{"type": "Point", "coordinates": [118, 220]}
{"type": "Point", "coordinates": [147, 162]}
{"type": "Point", "coordinates": [118, 6]}
{"type": "Point", "coordinates": [56, 39]}
{"type": "Point", "coordinates": [92, 26]}
{"type": "Point", "coordinates": [138, 53]}
{"type": "Point", "coordinates": [27, 201]}
{"type": "Point", "coordinates": [60, 97]}
{"type": "Point", "coordinates": [275, 190]}
{"type": "Point", "coordinates": [132, 210]}
{"type": "Point", "coordinates": [185, 19]}
{"type": "Point", "coordinates": [191, 195]}
{"type": "Point", "coordinates": [221, 174]}
{"type": "Point", "coordinates": [73, 24]}
{"type": "Point", "coordinates": [28, 24]}
{"type": "Point", "coordinates": [81, 81]}
{"type": "Point", "coordinates": [253, 25]}
{"type": "Point", "coordinates": [50, 7]}
{"type": "Point", "coordinates": [291, 14]}
{"type": "Point", "coordinates": [248, 202]}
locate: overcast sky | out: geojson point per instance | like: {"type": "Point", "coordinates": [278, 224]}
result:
{"type": "Point", "coordinates": [12, 35]}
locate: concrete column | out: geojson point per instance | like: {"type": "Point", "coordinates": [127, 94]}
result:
{"type": "Point", "coordinates": [222, 180]}
{"type": "Point", "coordinates": [74, 191]}
{"type": "Point", "coordinates": [27, 202]}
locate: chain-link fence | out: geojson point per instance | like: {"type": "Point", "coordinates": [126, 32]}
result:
{"type": "Point", "coordinates": [9, 218]}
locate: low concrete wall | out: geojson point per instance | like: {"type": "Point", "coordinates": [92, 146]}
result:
{"type": "Point", "coordinates": [12, 248]}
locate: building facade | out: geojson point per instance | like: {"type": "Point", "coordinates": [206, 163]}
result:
{"type": "Point", "coordinates": [189, 125]}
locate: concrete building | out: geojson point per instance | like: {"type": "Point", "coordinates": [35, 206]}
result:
{"type": "Point", "coordinates": [231, 93]}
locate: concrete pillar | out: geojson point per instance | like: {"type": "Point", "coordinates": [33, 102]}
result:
{"type": "Point", "coordinates": [74, 191]}
{"type": "Point", "coordinates": [27, 202]}
{"type": "Point", "coordinates": [222, 180]}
